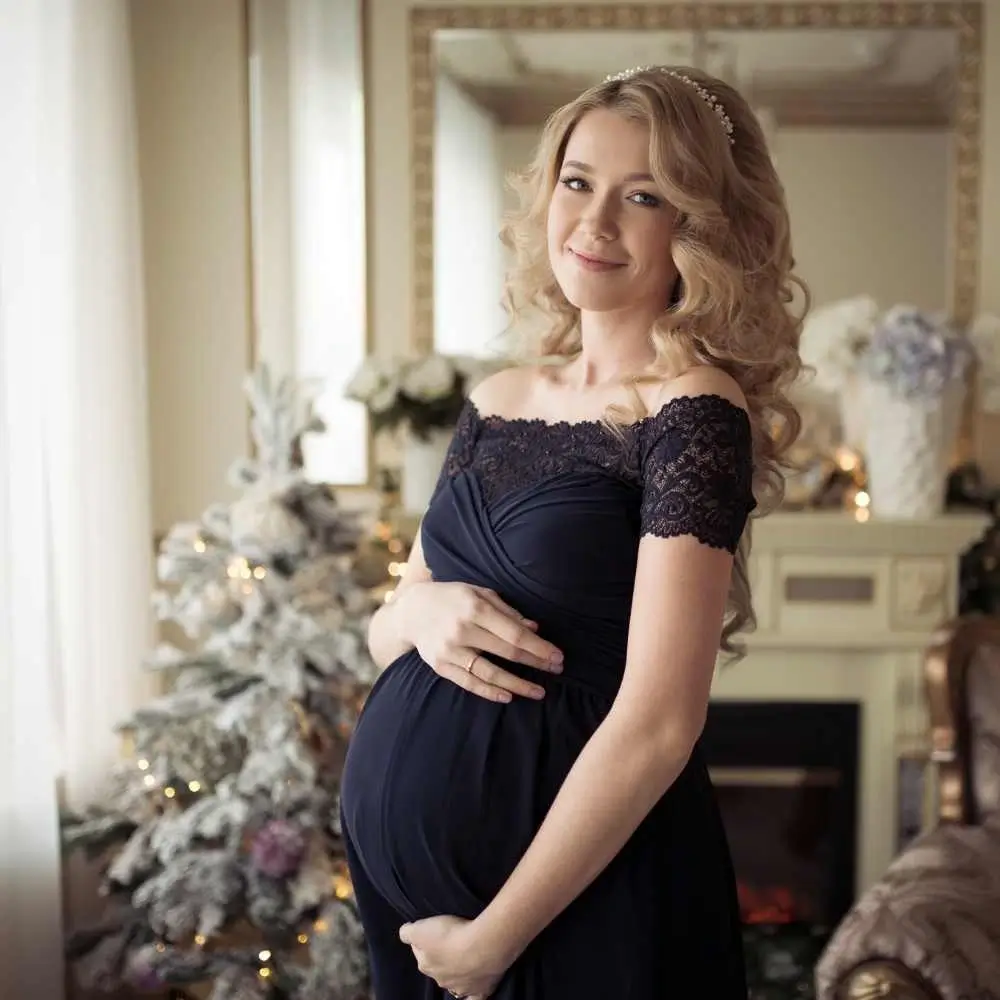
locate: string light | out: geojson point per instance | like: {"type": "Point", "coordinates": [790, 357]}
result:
{"type": "Point", "coordinates": [199, 940]}
{"type": "Point", "coordinates": [149, 781]}
{"type": "Point", "coordinates": [199, 545]}
{"type": "Point", "coordinates": [320, 926]}
{"type": "Point", "coordinates": [169, 792]}
{"type": "Point", "coordinates": [194, 786]}
{"type": "Point", "coordinates": [143, 764]}
{"type": "Point", "coordinates": [264, 956]}
{"type": "Point", "coordinates": [303, 939]}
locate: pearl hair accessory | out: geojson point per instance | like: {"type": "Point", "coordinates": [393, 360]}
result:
{"type": "Point", "coordinates": [710, 99]}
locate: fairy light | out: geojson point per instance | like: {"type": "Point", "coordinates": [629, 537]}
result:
{"type": "Point", "coordinates": [142, 764]}
{"type": "Point", "coordinates": [169, 792]}
{"type": "Point", "coordinates": [264, 972]}
{"type": "Point", "coordinates": [342, 887]}
{"type": "Point", "coordinates": [303, 939]}
{"type": "Point", "coordinates": [847, 459]}
{"type": "Point", "coordinates": [199, 940]}
{"type": "Point", "coordinates": [259, 572]}
{"type": "Point", "coordinates": [320, 926]}
{"type": "Point", "coordinates": [264, 956]}
{"type": "Point", "coordinates": [199, 545]}
{"type": "Point", "coordinates": [194, 786]}
{"type": "Point", "coordinates": [149, 781]}
{"type": "Point", "coordinates": [395, 546]}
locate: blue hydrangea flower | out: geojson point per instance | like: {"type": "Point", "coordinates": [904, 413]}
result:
{"type": "Point", "coordinates": [915, 355]}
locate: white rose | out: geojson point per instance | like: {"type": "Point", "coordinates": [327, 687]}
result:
{"type": "Point", "coordinates": [429, 379]}
{"type": "Point", "coordinates": [384, 398]}
{"type": "Point", "coordinates": [832, 335]}
{"type": "Point", "coordinates": [366, 381]}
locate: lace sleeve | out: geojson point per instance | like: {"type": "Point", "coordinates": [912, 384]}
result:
{"type": "Point", "coordinates": [460, 451]}
{"type": "Point", "coordinates": [698, 471]}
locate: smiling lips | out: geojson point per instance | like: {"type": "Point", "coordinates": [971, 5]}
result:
{"type": "Point", "coordinates": [591, 263]}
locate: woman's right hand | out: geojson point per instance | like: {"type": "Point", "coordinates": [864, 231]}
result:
{"type": "Point", "coordinates": [456, 627]}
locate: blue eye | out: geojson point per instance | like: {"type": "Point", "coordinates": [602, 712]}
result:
{"type": "Point", "coordinates": [573, 182]}
{"type": "Point", "coordinates": [645, 199]}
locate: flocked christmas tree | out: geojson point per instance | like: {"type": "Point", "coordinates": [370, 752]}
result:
{"type": "Point", "coordinates": [223, 865]}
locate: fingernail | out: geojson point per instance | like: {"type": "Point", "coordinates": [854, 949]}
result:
{"type": "Point", "coordinates": [555, 657]}
{"type": "Point", "coordinates": [538, 693]}
{"type": "Point", "coordinates": [504, 696]}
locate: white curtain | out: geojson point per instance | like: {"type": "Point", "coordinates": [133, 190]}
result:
{"type": "Point", "coordinates": [75, 539]}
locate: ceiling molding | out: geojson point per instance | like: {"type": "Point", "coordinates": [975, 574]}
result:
{"type": "Point", "coordinates": [528, 106]}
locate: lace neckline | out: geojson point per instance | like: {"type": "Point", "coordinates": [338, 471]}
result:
{"type": "Point", "coordinates": [681, 403]}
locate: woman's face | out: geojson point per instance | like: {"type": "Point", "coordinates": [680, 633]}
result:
{"type": "Point", "coordinates": [609, 227]}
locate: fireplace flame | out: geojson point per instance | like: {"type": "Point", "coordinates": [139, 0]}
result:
{"type": "Point", "coordinates": [769, 905]}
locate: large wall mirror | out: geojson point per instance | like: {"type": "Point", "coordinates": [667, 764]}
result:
{"type": "Point", "coordinates": [307, 181]}
{"type": "Point", "coordinates": [872, 111]}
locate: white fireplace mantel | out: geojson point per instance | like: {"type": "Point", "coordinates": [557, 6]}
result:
{"type": "Point", "coordinates": [845, 610]}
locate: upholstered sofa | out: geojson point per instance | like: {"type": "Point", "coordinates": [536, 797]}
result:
{"type": "Point", "coordinates": [930, 928]}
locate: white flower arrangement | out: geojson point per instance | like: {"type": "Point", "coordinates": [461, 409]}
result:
{"type": "Point", "coordinates": [833, 338]}
{"type": "Point", "coordinates": [984, 332]}
{"type": "Point", "coordinates": [417, 394]}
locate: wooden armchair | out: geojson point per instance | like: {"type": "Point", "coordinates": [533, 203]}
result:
{"type": "Point", "coordinates": [930, 928]}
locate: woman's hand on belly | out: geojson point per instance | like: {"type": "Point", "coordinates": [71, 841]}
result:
{"type": "Point", "coordinates": [455, 627]}
{"type": "Point", "coordinates": [448, 951]}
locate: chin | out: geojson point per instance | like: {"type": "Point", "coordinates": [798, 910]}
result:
{"type": "Point", "coordinates": [588, 296]}
{"type": "Point", "coordinates": [592, 299]}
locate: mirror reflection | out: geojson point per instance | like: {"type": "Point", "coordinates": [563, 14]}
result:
{"type": "Point", "coordinates": [859, 121]}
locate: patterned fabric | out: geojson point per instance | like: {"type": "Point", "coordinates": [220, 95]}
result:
{"type": "Point", "coordinates": [984, 718]}
{"type": "Point", "coordinates": [936, 910]}
{"type": "Point", "coordinates": [692, 462]}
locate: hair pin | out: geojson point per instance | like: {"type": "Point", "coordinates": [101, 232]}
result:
{"type": "Point", "coordinates": [709, 98]}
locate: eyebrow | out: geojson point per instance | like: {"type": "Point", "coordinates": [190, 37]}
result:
{"type": "Point", "coordinates": [587, 169]}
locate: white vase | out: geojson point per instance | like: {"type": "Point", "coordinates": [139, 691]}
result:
{"type": "Point", "coordinates": [908, 448]}
{"type": "Point", "coordinates": [852, 414]}
{"type": "Point", "coordinates": [422, 462]}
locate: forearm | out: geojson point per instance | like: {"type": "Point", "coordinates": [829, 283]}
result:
{"type": "Point", "coordinates": [614, 783]}
{"type": "Point", "coordinates": [387, 638]}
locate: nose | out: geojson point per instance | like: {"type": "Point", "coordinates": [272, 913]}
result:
{"type": "Point", "coordinates": [598, 221]}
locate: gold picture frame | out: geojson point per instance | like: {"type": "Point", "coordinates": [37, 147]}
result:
{"type": "Point", "coordinates": [965, 18]}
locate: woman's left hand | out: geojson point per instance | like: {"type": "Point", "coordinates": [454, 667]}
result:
{"type": "Point", "coordinates": [451, 952]}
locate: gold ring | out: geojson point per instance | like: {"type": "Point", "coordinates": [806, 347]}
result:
{"type": "Point", "coordinates": [472, 662]}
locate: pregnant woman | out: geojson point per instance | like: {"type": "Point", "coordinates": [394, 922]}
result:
{"type": "Point", "coordinates": [526, 810]}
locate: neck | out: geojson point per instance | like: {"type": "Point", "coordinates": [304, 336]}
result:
{"type": "Point", "coordinates": [613, 346]}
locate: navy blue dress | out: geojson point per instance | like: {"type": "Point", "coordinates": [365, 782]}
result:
{"type": "Point", "coordinates": [443, 791]}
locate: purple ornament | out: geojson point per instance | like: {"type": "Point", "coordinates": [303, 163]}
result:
{"type": "Point", "coordinates": [278, 848]}
{"type": "Point", "coordinates": [142, 974]}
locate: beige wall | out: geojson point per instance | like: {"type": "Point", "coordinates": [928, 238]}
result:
{"type": "Point", "coordinates": [188, 58]}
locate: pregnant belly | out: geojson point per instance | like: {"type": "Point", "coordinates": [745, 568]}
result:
{"type": "Point", "coordinates": [443, 791]}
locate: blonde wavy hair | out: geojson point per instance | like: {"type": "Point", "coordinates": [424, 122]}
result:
{"type": "Point", "coordinates": [735, 305]}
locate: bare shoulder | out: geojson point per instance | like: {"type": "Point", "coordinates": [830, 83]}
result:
{"type": "Point", "coordinates": [505, 392]}
{"type": "Point", "coordinates": [703, 380]}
